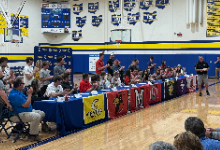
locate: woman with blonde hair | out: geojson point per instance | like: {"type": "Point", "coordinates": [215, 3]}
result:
{"type": "Point", "coordinates": [187, 141]}
{"type": "Point", "coordinates": [38, 67]}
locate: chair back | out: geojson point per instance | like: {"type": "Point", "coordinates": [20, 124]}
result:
{"type": "Point", "coordinates": [4, 112]}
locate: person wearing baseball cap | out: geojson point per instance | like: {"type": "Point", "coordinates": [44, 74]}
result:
{"type": "Point", "coordinates": [111, 62]}
{"type": "Point", "coordinates": [119, 68]}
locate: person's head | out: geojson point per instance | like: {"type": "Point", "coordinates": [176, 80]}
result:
{"type": "Point", "coordinates": [163, 63]}
{"type": "Point", "coordinates": [57, 80]}
{"type": "Point", "coordinates": [187, 141]}
{"type": "Point", "coordinates": [116, 74]}
{"type": "Point", "coordinates": [218, 58]}
{"type": "Point", "coordinates": [116, 62]}
{"type": "Point", "coordinates": [29, 61]}
{"type": "Point", "coordinates": [162, 71]}
{"type": "Point", "coordinates": [179, 67]}
{"type": "Point", "coordinates": [175, 68]}
{"type": "Point", "coordinates": [200, 59]}
{"type": "Point", "coordinates": [60, 60]}
{"type": "Point", "coordinates": [103, 74]}
{"type": "Point", "coordinates": [98, 78]}
{"type": "Point", "coordinates": [3, 68]}
{"type": "Point", "coordinates": [128, 73]}
{"type": "Point", "coordinates": [18, 83]}
{"type": "Point", "coordinates": [151, 58]}
{"type": "Point", "coordinates": [4, 61]}
{"type": "Point", "coordinates": [145, 71]}
{"type": "Point", "coordinates": [160, 145]}
{"type": "Point", "coordinates": [66, 77]}
{"type": "Point", "coordinates": [93, 78]}
{"type": "Point", "coordinates": [112, 55]}
{"type": "Point", "coordinates": [140, 72]}
{"type": "Point", "coordinates": [46, 64]}
{"type": "Point", "coordinates": [136, 61]}
{"type": "Point", "coordinates": [135, 72]}
{"type": "Point", "coordinates": [101, 56]}
{"type": "Point", "coordinates": [195, 125]}
{"type": "Point", "coordinates": [132, 62]}
{"type": "Point", "coordinates": [39, 64]}
{"type": "Point", "coordinates": [86, 77]}
{"type": "Point", "coordinates": [35, 84]}
{"type": "Point", "coordinates": [158, 71]}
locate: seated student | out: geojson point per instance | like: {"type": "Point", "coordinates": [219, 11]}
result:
{"type": "Point", "coordinates": [22, 105]}
{"type": "Point", "coordinates": [196, 126]}
{"type": "Point", "coordinates": [67, 86]}
{"type": "Point", "coordinates": [37, 94]}
{"type": "Point", "coordinates": [108, 82]}
{"type": "Point", "coordinates": [135, 76]}
{"type": "Point", "coordinates": [98, 81]}
{"type": "Point", "coordinates": [157, 74]}
{"type": "Point", "coordinates": [128, 78]}
{"type": "Point", "coordinates": [163, 66]}
{"type": "Point", "coordinates": [179, 71]}
{"type": "Point", "coordinates": [131, 66]}
{"type": "Point", "coordinates": [55, 89]}
{"type": "Point", "coordinates": [163, 74]}
{"type": "Point", "coordinates": [45, 76]}
{"type": "Point", "coordinates": [145, 75]}
{"type": "Point", "coordinates": [102, 80]}
{"type": "Point", "coordinates": [140, 73]}
{"type": "Point", "coordinates": [116, 80]}
{"type": "Point", "coordinates": [119, 68]}
{"type": "Point", "coordinates": [160, 145]}
{"type": "Point", "coordinates": [85, 85]}
{"type": "Point", "coordinates": [187, 141]}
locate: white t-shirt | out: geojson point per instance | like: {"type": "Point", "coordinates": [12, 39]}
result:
{"type": "Point", "coordinates": [51, 88]}
{"type": "Point", "coordinates": [28, 70]}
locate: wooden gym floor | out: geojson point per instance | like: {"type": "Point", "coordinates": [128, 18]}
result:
{"type": "Point", "coordinates": [138, 130]}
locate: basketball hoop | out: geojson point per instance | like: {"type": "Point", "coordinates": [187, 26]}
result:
{"type": "Point", "coordinates": [118, 42]}
{"type": "Point", "coordinates": [16, 41]}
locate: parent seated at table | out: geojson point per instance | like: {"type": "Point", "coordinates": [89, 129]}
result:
{"type": "Point", "coordinates": [72, 89]}
{"type": "Point", "coordinates": [55, 89]}
{"type": "Point", "coordinates": [128, 78]}
{"type": "Point", "coordinates": [85, 85]}
{"type": "Point", "coordinates": [135, 76]}
{"type": "Point", "coordinates": [116, 80]}
{"type": "Point", "coordinates": [22, 105]}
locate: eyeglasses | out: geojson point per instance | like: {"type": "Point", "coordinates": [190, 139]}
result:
{"type": "Point", "coordinates": [176, 136]}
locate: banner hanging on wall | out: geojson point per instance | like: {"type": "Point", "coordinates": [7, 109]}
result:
{"type": "Point", "coordinates": [129, 5]}
{"type": "Point", "coordinates": [116, 20]}
{"type": "Point", "coordinates": [77, 8]}
{"type": "Point", "coordinates": [146, 4]}
{"type": "Point", "coordinates": [24, 20]}
{"type": "Point", "coordinates": [76, 35]}
{"type": "Point", "coordinates": [93, 7]}
{"type": "Point", "coordinates": [80, 21]}
{"type": "Point", "coordinates": [96, 20]}
{"type": "Point", "coordinates": [113, 5]}
{"type": "Point", "coordinates": [149, 17]}
{"type": "Point", "coordinates": [133, 18]}
{"type": "Point", "coordinates": [3, 24]}
{"type": "Point", "coordinates": [161, 4]}
{"type": "Point", "coordinates": [92, 63]}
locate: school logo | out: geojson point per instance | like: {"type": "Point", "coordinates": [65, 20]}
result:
{"type": "Point", "coordinates": [96, 110]}
{"type": "Point", "coordinates": [50, 50]}
{"type": "Point", "coordinates": [116, 20]}
{"type": "Point", "coordinates": [64, 56]}
{"type": "Point", "coordinates": [55, 56]}
{"type": "Point", "coordinates": [55, 50]}
{"type": "Point", "coordinates": [113, 5]}
{"type": "Point", "coordinates": [149, 18]}
{"type": "Point", "coordinates": [69, 62]}
{"type": "Point", "coordinates": [118, 103]}
{"type": "Point", "coordinates": [40, 57]}
{"type": "Point", "coordinates": [96, 20]}
{"type": "Point", "coordinates": [139, 97]}
{"type": "Point", "coordinates": [55, 63]}
{"type": "Point", "coordinates": [68, 50]}
{"type": "Point", "coordinates": [80, 21]}
{"type": "Point", "coordinates": [133, 18]}
{"type": "Point", "coordinates": [146, 4]}
{"type": "Point", "coordinates": [44, 49]}
{"type": "Point", "coordinates": [153, 92]}
{"type": "Point", "coordinates": [50, 56]}
{"type": "Point", "coordinates": [77, 8]}
{"type": "Point", "coordinates": [39, 50]}
{"type": "Point", "coordinates": [76, 35]}
{"type": "Point", "coordinates": [45, 56]}
{"type": "Point", "coordinates": [50, 63]}
{"type": "Point", "coordinates": [161, 4]}
{"type": "Point", "coordinates": [93, 7]}
{"type": "Point", "coordinates": [60, 50]}
{"type": "Point", "coordinates": [64, 50]}
{"type": "Point", "coordinates": [68, 56]}
{"type": "Point", "coordinates": [129, 5]}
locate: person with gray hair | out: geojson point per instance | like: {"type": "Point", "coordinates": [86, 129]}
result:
{"type": "Point", "coordinates": [196, 126]}
{"type": "Point", "coordinates": [160, 145]}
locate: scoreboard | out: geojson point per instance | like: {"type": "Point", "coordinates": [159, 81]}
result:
{"type": "Point", "coordinates": [55, 18]}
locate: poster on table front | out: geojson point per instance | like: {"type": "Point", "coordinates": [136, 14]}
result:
{"type": "Point", "coordinates": [153, 93]}
{"type": "Point", "coordinates": [170, 89]}
{"type": "Point", "coordinates": [92, 63]}
{"type": "Point", "coordinates": [181, 86]}
{"type": "Point", "coordinates": [93, 108]}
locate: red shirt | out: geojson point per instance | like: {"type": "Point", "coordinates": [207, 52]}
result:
{"type": "Point", "coordinates": [84, 86]}
{"type": "Point", "coordinates": [127, 80]}
{"type": "Point", "coordinates": [162, 67]}
{"type": "Point", "coordinates": [99, 63]}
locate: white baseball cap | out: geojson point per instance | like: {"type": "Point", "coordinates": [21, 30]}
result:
{"type": "Point", "coordinates": [112, 54]}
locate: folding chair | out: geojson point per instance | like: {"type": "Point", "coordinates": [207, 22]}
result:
{"type": "Point", "coordinates": [4, 118]}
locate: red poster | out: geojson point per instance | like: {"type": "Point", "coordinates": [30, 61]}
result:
{"type": "Point", "coordinates": [117, 103]}
{"type": "Point", "coordinates": [154, 93]}
{"type": "Point", "coordinates": [191, 86]}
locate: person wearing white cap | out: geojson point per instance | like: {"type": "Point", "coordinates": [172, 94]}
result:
{"type": "Point", "coordinates": [111, 62]}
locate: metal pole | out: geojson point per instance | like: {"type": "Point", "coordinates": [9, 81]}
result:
{"type": "Point", "coordinates": [122, 16]}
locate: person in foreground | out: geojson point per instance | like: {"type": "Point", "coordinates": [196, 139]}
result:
{"type": "Point", "coordinates": [196, 126]}
{"type": "Point", "coordinates": [160, 145]}
{"type": "Point", "coordinates": [202, 67]}
{"type": "Point", "coordinates": [22, 105]}
{"type": "Point", "coordinates": [187, 141]}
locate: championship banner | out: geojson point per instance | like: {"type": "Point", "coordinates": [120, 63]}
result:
{"type": "Point", "coordinates": [146, 4]}
{"type": "Point", "coordinates": [80, 21]}
{"type": "Point", "coordinates": [93, 7]}
{"type": "Point", "coordinates": [191, 84]}
{"type": "Point", "coordinates": [181, 86]}
{"type": "Point", "coordinates": [116, 20]}
{"type": "Point", "coordinates": [93, 108]}
{"type": "Point", "coordinates": [76, 35]}
{"type": "Point", "coordinates": [133, 18]}
{"type": "Point", "coordinates": [170, 89]}
{"type": "Point", "coordinates": [154, 93]}
{"type": "Point", "coordinates": [3, 24]}
{"type": "Point", "coordinates": [113, 5]}
{"type": "Point", "coordinates": [24, 25]}
{"type": "Point", "coordinates": [161, 4]}
{"type": "Point", "coordinates": [77, 8]}
{"type": "Point", "coordinates": [117, 103]}
{"type": "Point", "coordinates": [149, 17]}
{"type": "Point", "coordinates": [129, 5]}
{"type": "Point", "coordinates": [96, 20]}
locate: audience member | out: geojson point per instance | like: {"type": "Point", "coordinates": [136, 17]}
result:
{"type": "Point", "coordinates": [160, 145]}
{"type": "Point", "coordinates": [179, 71]}
{"type": "Point", "coordinates": [29, 72]}
{"type": "Point", "coordinates": [213, 133]}
{"type": "Point", "coordinates": [116, 80]}
{"type": "Point", "coordinates": [3, 96]}
{"type": "Point", "coordinates": [6, 73]}
{"type": "Point", "coordinates": [85, 85]}
{"type": "Point", "coordinates": [187, 141]}
{"type": "Point", "coordinates": [135, 76]}
{"type": "Point", "coordinates": [136, 62]}
{"type": "Point", "coordinates": [163, 66]}
{"type": "Point", "coordinates": [45, 76]}
{"type": "Point", "coordinates": [110, 62]}
{"type": "Point", "coordinates": [119, 68]}
{"type": "Point", "coordinates": [131, 66]}
{"type": "Point", "coordinates": [71, 89]}
{"type": "Point", "coordinates": [196, 126]}
{"type": "Point", "coordinates": [59, 69]}
{"type": "Point", "coordinates": [145, 75]}
{"type": "Point", "coordinates": [151, 65]}
{"type": "Point", "coordinates": [128, 78]}
{"type": "Point", "coordinates": [22, 105]}
{"type": "Point", "coordinates": [100, 64]}
{"type": "Point", "coordinates": [55, 89]}
{"type": "Point", "coordinates": [38, 68]}
{"type": "Point", "coordinates": [108, 82]}
{"type": "Point", "coordinates": [157, 75]}
{"type": "Point", "coordinates": [140, 73]}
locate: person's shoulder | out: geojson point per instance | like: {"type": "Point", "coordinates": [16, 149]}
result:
{"type": "Point", "coordinates": [55, 67]}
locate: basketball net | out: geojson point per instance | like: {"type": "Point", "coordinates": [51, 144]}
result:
{"type": "Point", "coordinates": [118, 42]}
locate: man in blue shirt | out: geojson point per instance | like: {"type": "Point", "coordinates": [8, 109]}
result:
{"type": "Point", "coordinates": [22, 105]}
{"type": "Point", "coordinates": [217, 67]}
{"type": "Point", "coordinates": [151, 65]}
{"type": "Point", "coordinates": [196, 126]}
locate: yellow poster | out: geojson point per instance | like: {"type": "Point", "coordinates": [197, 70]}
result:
{"type": "Point", "coordinates": [93, 108]}
{"type": "Point", "coordinates": [3, 24]}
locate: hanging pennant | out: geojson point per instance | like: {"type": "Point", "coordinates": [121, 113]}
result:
{"type": "Point", "coordinates": [146, 4]}
{"type": "Point", "coordinates": [129, 5]}
{"type": "Point", "coordinates": [113, 5]}
{"type": "Point", "coordinates": [80, 21]}
{"type": "Point", "coordinates": [24, 25]}
{"type": "Point", "coordinates": [161, 4]}
{"type": "Point", "coordinates": [96, 20]}
{"type": "Point", "coordinates": [77, 8]}
{"type": "Point", "coordinates": [149, 17]}
{"type": "Point", "coordinates": [116, 20]}
{"type": "Point", "coordinates": [93, 7]}
{"type": "Point", "coordinates": [133, 18]}
{"type": "Point", "coordinates": [76, 35]}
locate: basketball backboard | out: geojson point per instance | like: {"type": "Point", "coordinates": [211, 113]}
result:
{"type": "Point", "coordinates": [11, 35]}
{"type": "Point", "coordinates": [121, 34]}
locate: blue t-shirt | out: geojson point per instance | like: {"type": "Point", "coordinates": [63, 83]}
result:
{"type": "Point", "coordinates": [217, 65]}
{"type": "Point", "coordinates": [151, 69]}
{"type": "Point", "coordinates": [209, 144]}
{"type": "Point", "coordinates": [17, 99]}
